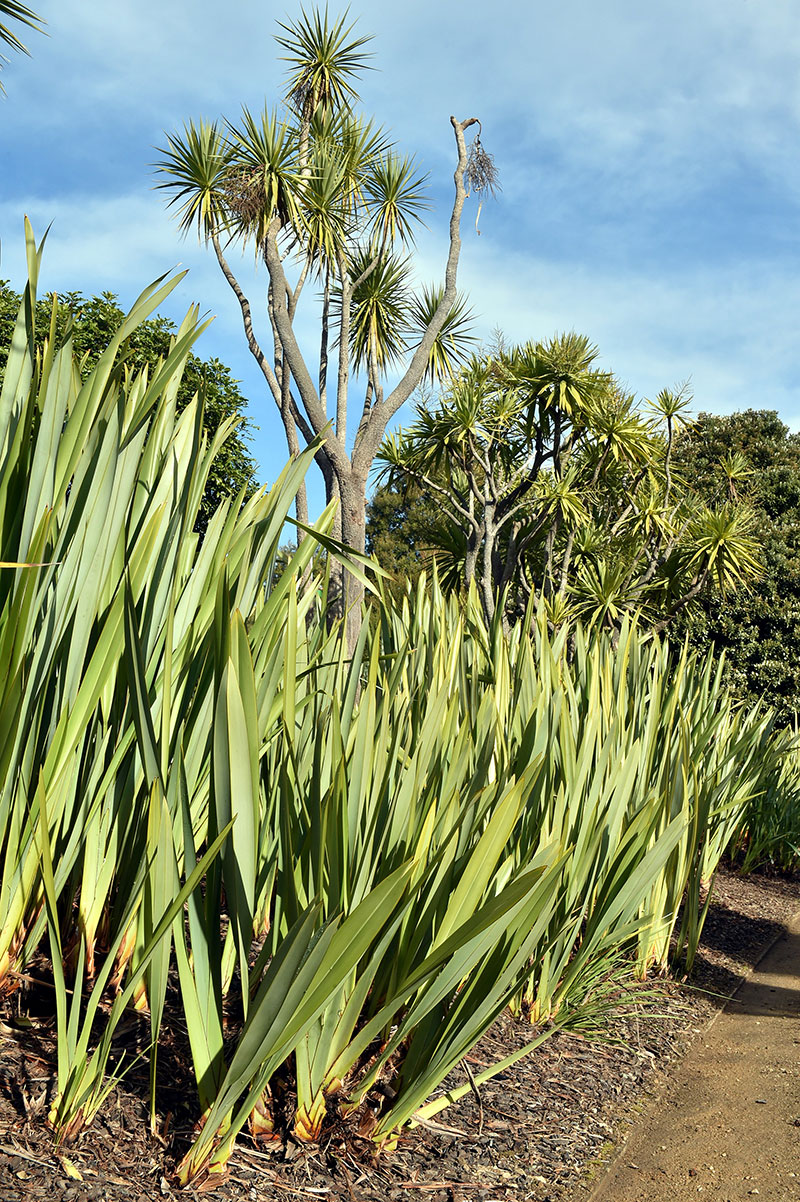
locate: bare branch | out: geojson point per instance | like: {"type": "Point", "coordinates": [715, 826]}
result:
{"type": "Point", "coordinates": [681, 603]}
{"type": "Point", "coordinates": [293, 355]}
{"type": "Point", "coordinates": [447, 495]}
{"type": "Point", "coordinates": [323, 343]}
{"type": "Point", "coordinates": [343, 374]}
{"type": "Point", "coordinates": [381, 414]}
{"type": "Point", "coordinates": [247, 320]}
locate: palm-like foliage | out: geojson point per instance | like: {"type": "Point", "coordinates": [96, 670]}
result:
{"type": "Point", "coordinates": [23, 15]}
{"type": "Point", "coordinates": [620, 433]}
{"type": "Point", "coordinates": [354, 144]}
{"type": "Point", "coordinates": [379, 309]}
{"type": "Point", "coordinates": [198, 164]}
{"type": "Point", "coordinates": [601, 593]}
{"type": "Point", "coordinates": [453, 343]}
{"type": "Point", "coordinates": [721, 545]}
{"type": "Point", "coordinates": [736, 472]}
{"type": "Point", "coordinates": [396, 197]}
{"type": "Point", "coordinates": [560, 374]}
{"type": "Point", "coordinates": [261, 180]}
{"type": "Point", "coordinates": [323, 196]}
{"type": "Point", "coordinates": [323, 63]}
{"type": "Point", "coordinates": [562, 486]}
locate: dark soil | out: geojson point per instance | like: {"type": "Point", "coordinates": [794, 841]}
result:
{"type": "Point", "coordinates": [532, 1133]}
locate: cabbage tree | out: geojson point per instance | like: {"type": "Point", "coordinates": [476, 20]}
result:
{"type": "Point", "coordinates": [329, 205]}
{"type": "Point", "coordinates": [553, 483]}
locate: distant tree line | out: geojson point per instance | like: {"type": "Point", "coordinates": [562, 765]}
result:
{"type": "Point", "coordinates": [94, 322]}
{"type": "Point", "coordinates": [755, 457]}
{"type": "Point", "coordinates": [537, 476]}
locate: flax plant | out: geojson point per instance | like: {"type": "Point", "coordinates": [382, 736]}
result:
{"type": "Point", "coordinates": [111, 645]}
{"type": "Point", "coordinates": [395, 840]}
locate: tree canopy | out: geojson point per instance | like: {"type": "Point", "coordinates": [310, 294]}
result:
{"type": "Point", "coordinates": [325, 199]}
{"type": "Point", "coordinates": [95, 320]}
{"type": "Point", "coordinates": [404, 526]}
{"type": "Point", "coordinates": [555, 485]}
{"type": "Point", "coordinates": [752, 456]}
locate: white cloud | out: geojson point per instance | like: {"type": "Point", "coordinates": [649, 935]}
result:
{"type": "Point", "coordinates": [615, 127]}
{"type": "Point", "coordinates": [115, 242]}
{"type": "Point", "coordinates": [727, 328]}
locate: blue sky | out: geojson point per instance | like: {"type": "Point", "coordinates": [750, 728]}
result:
{"type": "Point", "coordinates": [648, 156]}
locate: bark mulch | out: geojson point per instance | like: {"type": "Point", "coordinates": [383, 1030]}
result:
{"type": "Point", "coordinates": [535, 1133]}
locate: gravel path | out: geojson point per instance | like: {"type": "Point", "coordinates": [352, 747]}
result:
{"type": "Point", "coordinates": [727, 1126]}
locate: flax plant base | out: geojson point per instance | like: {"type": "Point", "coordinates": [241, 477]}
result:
{"type": "Point", "coordinates": [537, 1133]}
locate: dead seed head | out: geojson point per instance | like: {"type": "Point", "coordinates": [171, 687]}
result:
{"type": "Point", "coordinates": [481, 175]}
{"type": "Point", "coordinates": [244, 193]}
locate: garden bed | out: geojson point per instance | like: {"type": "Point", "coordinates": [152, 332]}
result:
{"type": "Point", "coordinates": [533, 1132]}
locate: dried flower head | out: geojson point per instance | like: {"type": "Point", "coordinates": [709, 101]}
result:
{"type": "Point", "coordinates": [301, 96]}
{"type": "Point", "coordinates": [481, 175]}
{"type": "Point", "coordinates": [244, 193]}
